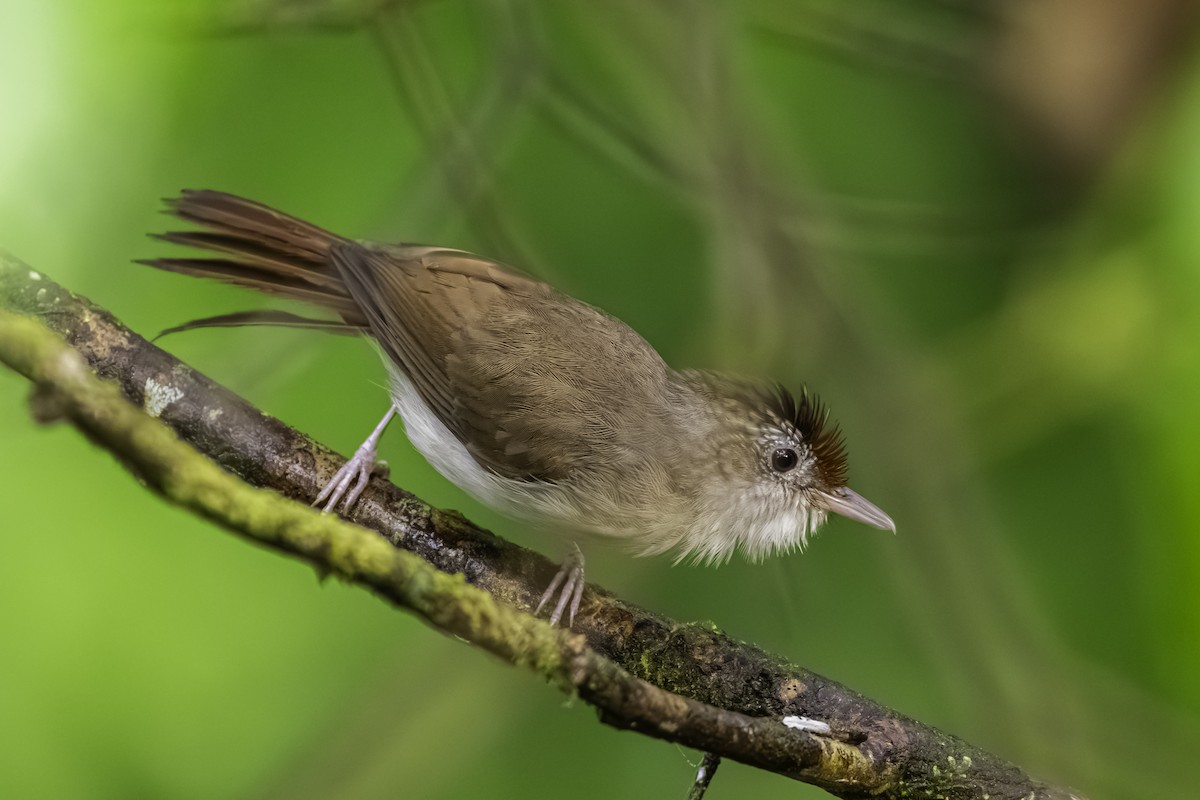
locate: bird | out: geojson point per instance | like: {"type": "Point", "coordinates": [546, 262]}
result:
{"type": "Point", "coordinates": [539, 405]}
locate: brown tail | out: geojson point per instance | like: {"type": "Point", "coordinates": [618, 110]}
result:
{"type": "Point", "coordinates": [262, 249]}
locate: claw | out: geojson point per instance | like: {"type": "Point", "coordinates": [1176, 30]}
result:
{"type": "Point", "coordinates": [570, 578]}
{"type": "Point", "coordinates": [348, 483]}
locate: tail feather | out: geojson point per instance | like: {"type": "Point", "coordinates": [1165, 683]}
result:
{"type": "Point", "coordinates": [262, 249]}
{"type": "Point", "coordinates": [269, 318]}
{"type": "Point", "coordinates": [264, 255]}
{"type": "Point", "coordinates": [241, 273]}
{"type": "Point", "coordinates": [230, 214]}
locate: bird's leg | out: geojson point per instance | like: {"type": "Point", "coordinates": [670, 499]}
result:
{"type": "Point", "coordinates": [349, 482]}
{"type": "Point", "coordinates": [570, 579]}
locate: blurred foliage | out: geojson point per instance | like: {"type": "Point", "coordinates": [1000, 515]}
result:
{"type": "Point", "coordinates": [983, 256]}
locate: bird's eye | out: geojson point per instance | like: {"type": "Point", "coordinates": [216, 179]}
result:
{"type": "Point", "coordinates": [784, 459]}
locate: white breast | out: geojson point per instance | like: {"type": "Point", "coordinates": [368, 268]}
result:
{"type": "Point", "coordinates": [526, 500]}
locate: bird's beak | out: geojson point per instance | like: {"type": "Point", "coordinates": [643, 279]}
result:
{"type": "Point", "coordinates": [852, 505]}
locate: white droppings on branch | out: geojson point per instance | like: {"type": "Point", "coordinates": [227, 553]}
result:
{"type": "Point", "coordinates": [806, 724]}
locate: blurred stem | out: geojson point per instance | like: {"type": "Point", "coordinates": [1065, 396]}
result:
{"type": "Point", "coordinates": [683, 683]}
{"type": "Point", "coordinates": [704, 776]}
{"type": "Point", "coordinates": [452, 133]}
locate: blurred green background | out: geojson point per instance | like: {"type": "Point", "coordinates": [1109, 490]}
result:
{"type": "Point", "coordinates": [971, 226]}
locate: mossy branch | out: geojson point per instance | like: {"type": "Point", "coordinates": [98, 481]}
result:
{"type": "Point", "coordinates": [681, 682]}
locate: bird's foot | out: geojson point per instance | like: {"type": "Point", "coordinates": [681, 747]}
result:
{"type": "Point", "coordinates": [348, 483]}
{"type": "Point", "coordinates": [568, 585]}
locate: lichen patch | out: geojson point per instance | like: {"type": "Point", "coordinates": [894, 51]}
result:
{"type": "Point", "coordinates": [158, 396]}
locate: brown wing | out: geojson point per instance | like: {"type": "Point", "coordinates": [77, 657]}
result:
{"type": "Point", "coordinates": [533, 382]}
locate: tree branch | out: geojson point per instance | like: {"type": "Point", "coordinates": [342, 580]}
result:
{"type": "Point", "coordinates": [681, 682]}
